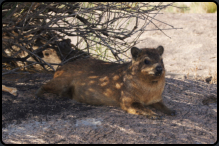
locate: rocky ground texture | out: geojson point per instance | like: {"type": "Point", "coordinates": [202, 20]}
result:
{"type": "Point", "coordinates": [191, 52]}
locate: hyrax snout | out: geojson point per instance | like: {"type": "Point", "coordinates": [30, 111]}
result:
{"type": "Point", "coordinates": [134, 86]}
{"type": "Point", "coordinates": [158, 70]}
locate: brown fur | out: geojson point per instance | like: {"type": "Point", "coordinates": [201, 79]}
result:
{"type": "Point", "coordinates": [132, 86]}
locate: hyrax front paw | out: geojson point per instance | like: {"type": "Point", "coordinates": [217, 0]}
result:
{"type": "Point", "coordinates": [154, 117]}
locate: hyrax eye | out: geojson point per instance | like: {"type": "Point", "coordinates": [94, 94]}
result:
{"type": "Point", "coordinates": [147, 61]}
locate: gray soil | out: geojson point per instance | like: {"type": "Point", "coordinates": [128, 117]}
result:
{"type": "Point", "coordinates": [191, 51]}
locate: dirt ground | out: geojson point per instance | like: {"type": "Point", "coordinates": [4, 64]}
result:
{"type": "Point", "coordinates": [191, 51]}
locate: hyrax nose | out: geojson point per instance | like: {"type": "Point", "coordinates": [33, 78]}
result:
{"type": "Point", "coordinates": [159, 69]}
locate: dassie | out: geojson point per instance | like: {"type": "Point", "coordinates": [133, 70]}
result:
{"type": "Point", "coordinates": [133, 86]}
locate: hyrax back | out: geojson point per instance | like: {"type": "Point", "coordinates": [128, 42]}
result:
{"type": "Point", "coordinates": [132, 85]}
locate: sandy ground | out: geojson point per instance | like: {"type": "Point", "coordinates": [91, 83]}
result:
{"type": "Point", "coordinates": [193, 46]}
{"type": "Point", "coordinates": [190, 51]}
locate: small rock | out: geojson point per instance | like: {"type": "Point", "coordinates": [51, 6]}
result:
{"type": "Point", "coordinates": [208, 79]}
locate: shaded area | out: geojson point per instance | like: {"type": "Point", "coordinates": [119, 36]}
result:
{"type": "Point", "coordinates": [53, 120]}
{"type": "Point", "coordinates": [26, 106]}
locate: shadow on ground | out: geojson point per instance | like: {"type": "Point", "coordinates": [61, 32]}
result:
{"type": "Point", "coordinates": [195, 122]}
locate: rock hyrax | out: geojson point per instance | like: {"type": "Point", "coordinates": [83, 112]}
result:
{"type": "Point", "coordinates": [133, 86]}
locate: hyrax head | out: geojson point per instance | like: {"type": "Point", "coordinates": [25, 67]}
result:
{"type": "Point", "coordinates": [148, 61]}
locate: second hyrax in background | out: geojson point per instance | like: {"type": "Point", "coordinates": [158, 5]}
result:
{"type": "Point", "coordinates": [133, 86]}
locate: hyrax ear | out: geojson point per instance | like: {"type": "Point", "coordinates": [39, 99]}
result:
{"type": "Point", "coordinates": [160, 50]}
{"type": "Point", "coordinates": [135, 51]}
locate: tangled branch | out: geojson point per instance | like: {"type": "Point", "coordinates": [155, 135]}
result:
{"type": "Point", "coordinates": [32, 31]}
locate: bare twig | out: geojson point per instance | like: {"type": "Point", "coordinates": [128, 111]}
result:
{"type": "Point", "coordinates": [30, 28]}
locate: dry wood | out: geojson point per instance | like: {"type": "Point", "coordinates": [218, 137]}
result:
{"type": "Point", "coordinates": [11, 90]}
{"type": "Point", "coordinates": [102, 29]}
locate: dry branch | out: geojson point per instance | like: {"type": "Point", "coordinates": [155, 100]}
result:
{"type": "Point", "coordinates": [101, 28]}
{"type": "Point", "coordinates": [11, 90]}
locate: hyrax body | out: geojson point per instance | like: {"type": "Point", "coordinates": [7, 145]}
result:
{"type": "Point", "coordinates": [132, 86]}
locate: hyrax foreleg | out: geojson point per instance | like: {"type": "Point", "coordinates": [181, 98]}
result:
{"type": "Point", "coordinates": [137, 108]}
{"type": "Point", "coordinates": [132, 107]}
